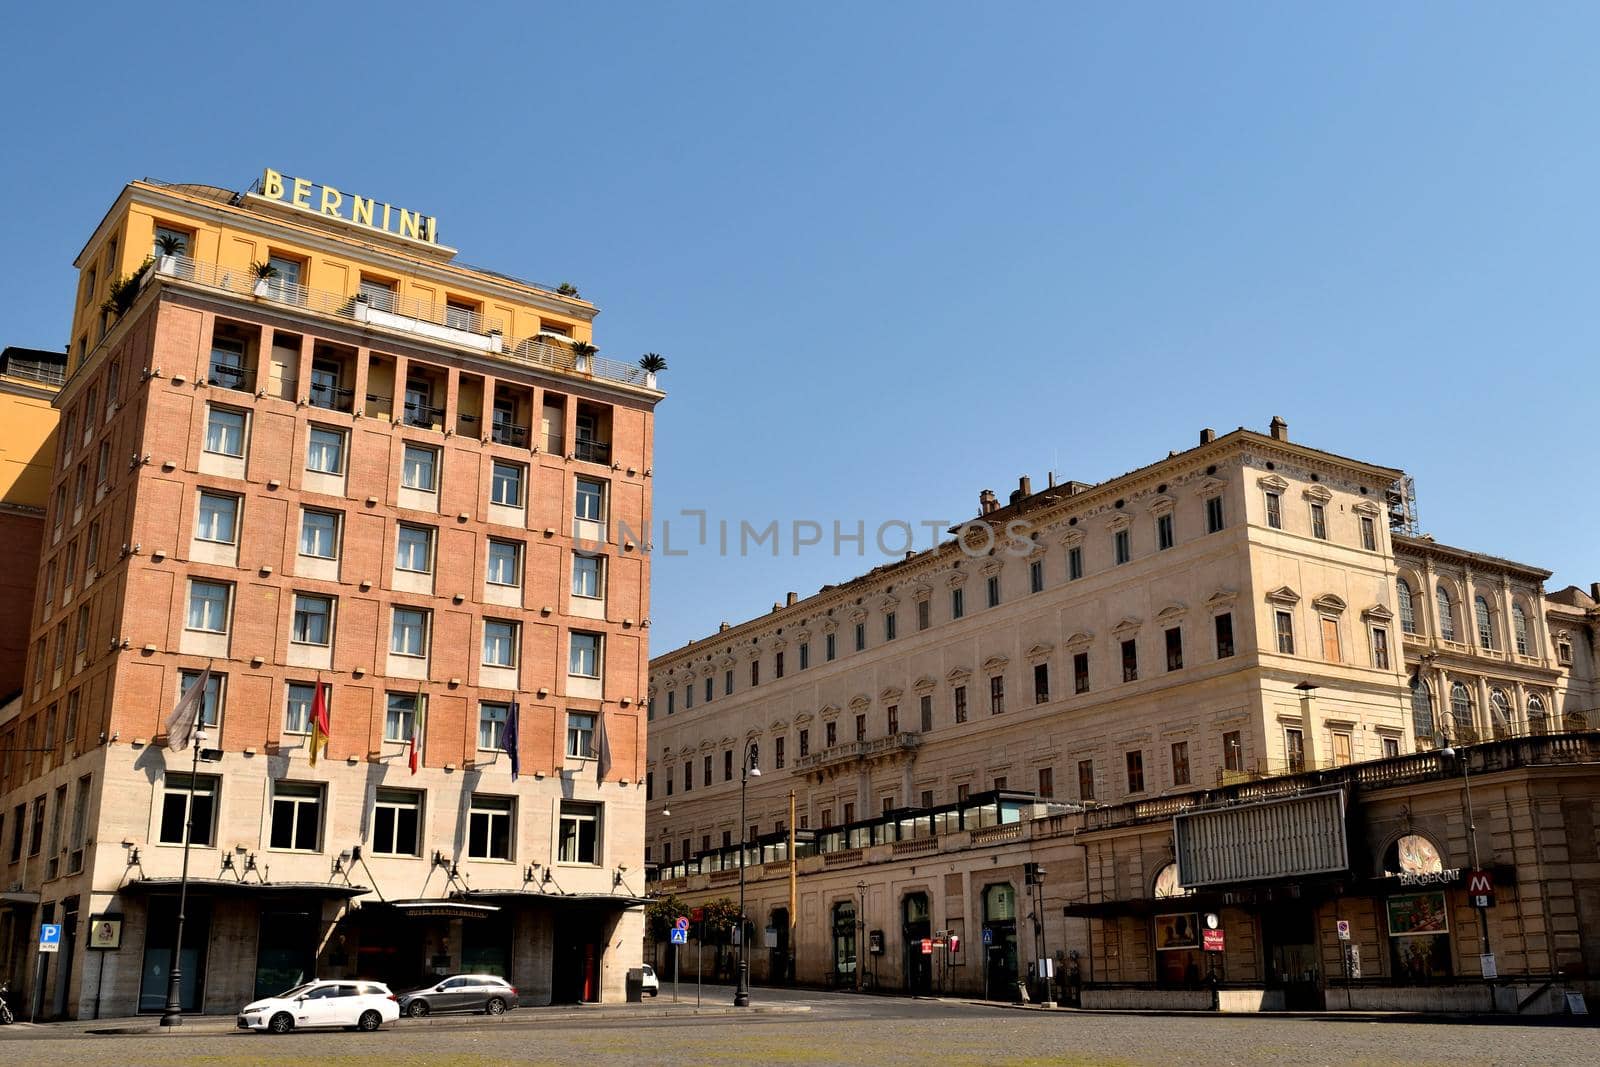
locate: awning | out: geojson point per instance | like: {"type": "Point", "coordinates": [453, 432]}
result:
{"type": "Point", "coordinates": [230, 887]}
{"type": "Point", "coordinates": [611, 900]}
{"type": "Point", "coordinates": [436, 908]}
{"type": "Point", "coordinates": [19, 899]}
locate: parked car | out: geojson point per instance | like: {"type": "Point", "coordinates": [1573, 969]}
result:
{"type": "Point", "coordinates": [652, 984]}
{"type": "Point", "coordinates": [352, 1003]}
{"type": "Point", "coordinates": [461, 992]}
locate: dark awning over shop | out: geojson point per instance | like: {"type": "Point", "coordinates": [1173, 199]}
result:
{"type": "Point", "coordinates": [230, 887]}
{"type": "Point", "coordinates": [18, 899]}
{"type": "Point", "coordinates": [603, 900]}
{"type": "Point", "coordinates": [449, 908]}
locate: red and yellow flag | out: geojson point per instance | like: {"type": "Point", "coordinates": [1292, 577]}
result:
{"type": "Point", "coordinates": [319, 722]}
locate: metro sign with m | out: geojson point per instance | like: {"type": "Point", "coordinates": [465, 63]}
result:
{"type": "Point", "coordinates": [1480, 887]}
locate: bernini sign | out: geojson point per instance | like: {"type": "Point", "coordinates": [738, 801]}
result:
{"type": "Point", "coordinates": [321, 199]}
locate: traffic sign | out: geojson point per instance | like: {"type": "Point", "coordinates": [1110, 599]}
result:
{"type": "Point", "coordinates": [927, 946]}
{"type": "Point", "coordinates": [988, 936]}
{"type": "Point", "coordinates": [681, 923]}
{"type": "Point", "coordinates": [1343, 926]}
{"type": "Point", "coordinates": [50, 937]}
{"type": "Point", "coordinates": [1480, 887]}
{"type": "Point", "coordinates": [680, 936]}
{"type": "Point", "coordinates": [1211, 940]}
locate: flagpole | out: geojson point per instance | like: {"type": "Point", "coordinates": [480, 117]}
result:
{"type": "Point", "coordinates": [173, 1015]}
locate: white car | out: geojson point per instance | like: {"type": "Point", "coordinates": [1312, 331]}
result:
{"type": "Point", "coordinates": [351, 1003]}
{"type": "Point", "coordinates": [652, 984]}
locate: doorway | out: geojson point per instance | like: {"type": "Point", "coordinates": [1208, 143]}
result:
{"type": "Point", "coordinates": [576, 966]}
{"type": "Point", "coordinates": [916, 926]}
{"type": "Point", "coordinates": [161, 932]}
{"type": "Point", "coordinates": [287, 951]}
{"type": "Point", "coordinates": [1289, 936]}
{"type": "Point", "coordinates": [779, 965]}
{"type": "Point", "coordinates": [1000, 939]}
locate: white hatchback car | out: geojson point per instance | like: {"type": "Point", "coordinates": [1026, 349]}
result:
{"type": "Point", "coordinates": [651, 984]}
{"type": "Point", "coordinates": [351, 1003]}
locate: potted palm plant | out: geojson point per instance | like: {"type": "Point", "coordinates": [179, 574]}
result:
{"type": "Point", "coordinates": [171, 246]}
{"type": "Point", "coordinates": [583, 356]}
{"type": "Point", "coordinates": [567, 289]}
{"type": "Point", "coordinates": [264, 273]}
{"type": "Point", "coordinates": [652, 363]}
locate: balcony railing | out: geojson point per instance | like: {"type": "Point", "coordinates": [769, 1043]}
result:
{"type": "Point", "coordinates": [537, 353]}
{"type": "Point", "coordinates": [331, 397]}
{"type": "Point", "coordinates": [35, 371]}
{"type": "Point", "coordinates": [509, 433]}
{"type": "Point", "coordinates": [228, 376]}
{"type": "Point", "coordinates": [422, 414]}
{"type": "Point", "coordinates": [593, 451]}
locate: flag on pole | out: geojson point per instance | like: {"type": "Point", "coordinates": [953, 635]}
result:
{"type": "Point", "coordinates": [185, 715]}
{"type": "Point", "coordinates": [511, 740]}
{"type": "Point", "coordinates": [415, 756]}
{"type": "Point", "coordinates": [320, 724]}
{"type": "Point", "coordinates": [602, 745]}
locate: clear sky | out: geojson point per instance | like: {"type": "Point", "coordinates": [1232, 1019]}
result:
{"type": "Point", "coordinates": [897, 253]}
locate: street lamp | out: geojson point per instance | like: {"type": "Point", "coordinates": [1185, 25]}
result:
{"type": "Point", "coordinates": [1472, 840]}
{"type": "Point", "coordinates": [741, 991]}
{"type": "Point", "coordinates": [861, 928]}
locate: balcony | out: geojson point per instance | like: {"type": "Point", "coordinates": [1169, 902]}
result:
{"type": "Point", "coordinates": [592, 451]}
{"type": "Point", "coordinates": [229, 376]}
{"type": "Point", "coordinates": [424, 415]}
{"type": "Point", "coordinates": [883, 748]}
{"type": "Point", "coordinates": [330, 397]}
{"type": "Point", "coordinates": [536, 353]}
{"type": "Point", "coordinates": [509, 433]}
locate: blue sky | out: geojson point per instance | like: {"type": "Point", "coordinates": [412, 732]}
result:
{"type": "Point", "coordinates": [896, 253]}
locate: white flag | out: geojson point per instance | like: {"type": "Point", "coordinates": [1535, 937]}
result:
{"type": "Point", "coordinates": [181, 723]}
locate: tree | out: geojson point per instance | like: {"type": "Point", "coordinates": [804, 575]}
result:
{"type": "Point", "coordinates": [653, 362]}
{"type": "Point", "coordinates": [722, 915]}
{"type": "Point", "coordinates": [660, 914]}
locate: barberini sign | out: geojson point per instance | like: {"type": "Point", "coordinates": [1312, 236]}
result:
{"type": "Point", "coordinates": [319, 199]}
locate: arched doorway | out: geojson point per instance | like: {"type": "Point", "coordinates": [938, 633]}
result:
{"type": "Point", "coordinates": [1418, 922]}
{"type": "Point", "coordinates": [1179, 961]}
{"type": "Point", "coordinates": [916, 924]}
{"type": "Point", "coordinates": [1000, 935]}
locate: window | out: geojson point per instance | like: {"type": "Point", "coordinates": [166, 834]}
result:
{"type": "Point", "coordinates": [805, 743]}
{"type": "Point", "coordinates": [777, 665]}
{"type": "Point", "coordinates": [1564, 652]}
{"type": "Point", "coordinates": [102, 464]}
{"type": "Point", "coordinates": [580, 833]}
{"type": "Point", "coordinates": [208, 606]}
{"type": "Point", "coordinates": [1319, 522]}
{"type": "Point", "coordinates": [1461, 711]}
{"type": "Point", "coordinates": [586, 579]}
{"type": "Point", "coordinates": [408, 635]}
{"type": "Point", "coordinates": [893, 717]}
{"type": "Point", "coordinates": [961, 703]}
{"type": "Point", "coordinates": [414, 549]}
{"type": "Point", "coordinates": [997, 694]}
{"type": "Point", "coordinates": [325, 451]}
{"type": "Point", "coordinates": [1074, 563]}
{"type": "Point", "coordinates": [506, 484]}
{"type": "Point", "coordinates": [1421, 708]}
{"type": "Point", "coordinates": [688, 696]}
{"type": "Point", "coordinates": [1369, 534]}
{"type": "Point", "coordinates": [419, 468]}
{"type": "Point", "coordinates": [925, 707]}
{"type": "Point", "coordinates": [1341, 749]}
{"type": "Point", "coordinates": [1036, 576]}
{"type": "Point", "coordinates": [861, 636]}
{"type": "Point", "coordinates": [36, 838]}
{"type": "Point", "coordinates": [1285, 629]}
{"type": "Point", "coordinates": [319, 534]}
{"type": "Point", "coordinates": [313, 619]}
{"type": "Point", "coordinates": [1331, 650]}
{"type": "Point", "coordinates": [1180, 763]}
{"type": "Point", "coordinates": [1165, 537]}
{"type": "Point", "coordinates": [1447, 616]}
{"type": "Point", "coordinates": [1519, 627]}
{"type": "Point", "coordinates": [1232, 752]}
{"type": "Point", "coordinates": [1041, 683]}
{"type": "Point", "coordinates": [492, 726]}
{"type": "Point", "coordinates": [1214, 518]}
{"type": "Point", "coordinates": [489, 827]}
{"type": "Point", "coordinates": [297, 708]}
{"type": "Point", "coordinates": [1135, 760]}
{"type": "Point", "coordinates": [777, 753]}
{"type": "Point", "coordinates": [181, 238]}
{"type": "Point", "coordinates": [889, 623]}
{"type": "Point", "coordinates": [755, 672]}
{"type": "Point", "coordinates": [225, 432]}
{"type": "Point", "coordinates": [1080, 672]}
{"type": "Point", "coordinates": [590, 503]}
{"type": "Point", "coordinates": [1124, 546]}
{"type": "Point", "coordinates": [924, 615]}
{"type": "Point", "coordinates": [1480, 608]}
{"type": "Point", "coordinates": [504, 565]}
{"type": "Point", "coordinates": [1294, 746]}
{"type": "Point", "coordinates": [1130, 660]}
{"type": "Point", "coordinates": [499, 643]}
{"type": "Point", "coordinates": [296, 817]}
{"type": "Point", "coordinates": [1047, 783]}
{"type": "Point", "coordinates": [1275, 511]}
{"type": "Point", "coordinates": [400, 716]}
{"type": "Point", "coordinates": [830, 647]}
{"type": "Point", "coordinates": [1391, 747]}
{"type": "Point", "coordinates": [1175, 649]}
{"type": "Point", "coordinates": [805, 655]}
{"type": "Point", "coordinates": [1537, 723]}
{"type": "Point", "coordinates": [710, 690]}
{"type": "Point", "coordinates": [1086, 779]}
{"type": "Point", "coordinates": [580, 741]}
{"type": "Point", "coordinates": [1224, 627]}
{"type": "Point", "coordinates": [861, 727]}
{"type": "Point", "coordinates": [727, 680]}
{"type": "Point", "coordinates": [992, 587]}
{"type": "Point", "coordinates": [583, 657]}
{"type": "Point", "coordinates": [459, 315]}
{"type": "Point", "coordinates": [1408, 611]}
{"type": "Point", "coordinates": [396, 823]}
{"type": "Point", "coordinates": [217, 518]}
{"type": "Point", "coordinates": [958, 605]}
{"type": "Point", "coordinates": [177, 810]}
{"type": "Point", "coordinates": [849, 812]}
{"type": "Point", "coordinates": [1380, 648]}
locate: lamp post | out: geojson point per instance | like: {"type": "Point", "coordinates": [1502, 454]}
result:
{"type": "Point", "coordinates": [172, 1015]}
{"type": "Point", "coordinates": [741, 991]}
{"type": "Point", "coordinates": [1472, 840]}
{"type": "Point", "coordinates": [861, 928]}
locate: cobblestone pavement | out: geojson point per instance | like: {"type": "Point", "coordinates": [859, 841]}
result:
{"type": "Point", "coordinates": [838, 1030]}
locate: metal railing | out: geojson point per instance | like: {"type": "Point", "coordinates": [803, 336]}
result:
{"type": "Point", "coordinates": [537, 353]}
{"type": "Point", "coordinates": [35, 371]}
{"type": "Point", "coordinates": [331, 397]}
{"type": "Point", "coordinates": [509, 433]}
{"type": "Point", "coordinates": [227, 376]}
{"type": "Point", "coordinates": [592, 451]}
{"type": "Point", "coordinates": [422, 414]}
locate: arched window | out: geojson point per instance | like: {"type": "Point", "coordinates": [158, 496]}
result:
{"type": "Point", "coordinates": [1421, 709]}
{"type": "Point", "coordinates": [1408, 612]}
{"type": "Point", "coordinates": [1412, 854]}
{"type": "Point", "coordinates": [1167, 883]}
{"type": "Point", "coordinates": [1500, 712]}
{"type": "Point", "coordinates": [1447, 618]}
{"type": "Point", "coordinates": [1480, 609]}
{"type": "Point", "coordinates": [1537, 723]}
{"type": "Point", "coordinates": [1519, 626]}
{"type": "Point", "coordinates": [1461, 712]}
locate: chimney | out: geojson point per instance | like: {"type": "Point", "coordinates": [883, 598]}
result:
{"type": "Point", "coordinates": [1026, 485]}
{"type": "Point", "coordinates": [790, 600]}
{"type": "Point", "coordinates": [1279, 428]}
{"type": "Point", "coordinates": [722, 627]}
{"type": "Point", "coordinates": [988, 502]}
{"type": "Point", "coordinates": [1052, 479]}
{"type": "Point", "coordinates": [1594, 590]}
{"type": "Point", "coordinates": [1207, 435]}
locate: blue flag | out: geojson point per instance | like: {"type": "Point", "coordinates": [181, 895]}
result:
{"type": "Point", "coordinates": [510, 741]}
